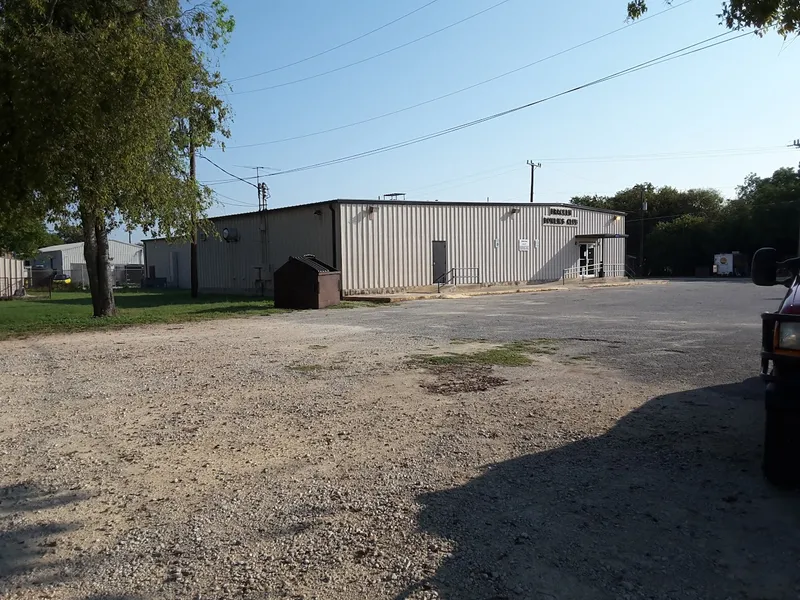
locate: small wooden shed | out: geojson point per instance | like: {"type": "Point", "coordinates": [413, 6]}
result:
{"type": "Point", "coordinates": [307, 282]}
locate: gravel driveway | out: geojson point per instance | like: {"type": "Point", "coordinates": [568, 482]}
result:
{"type": "Point", "coordinates": [304, 456]}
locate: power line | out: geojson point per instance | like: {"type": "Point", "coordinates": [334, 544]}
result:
{"type": "Point", "coordinates": [227, 172]}
{"type": "Point", "coordinates": [231, 201]}
{"type": "Point", "coordinates": [342, 45]}
{"type": "Point", "coordinates": [374, 56]}
{"type": "Point", "coordinates": [465, 89]}
{"type": "Point", "coordinates": [686, 51]}
{"type": "Point", "coordinates": [682, 155]}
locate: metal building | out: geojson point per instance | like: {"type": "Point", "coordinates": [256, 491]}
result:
{"type": "Point", "coordinates": [386, 246]}
{"type": "Point", "coordinates": [168, 262]}
{"type": "Point", "coordinates": [69, 260]}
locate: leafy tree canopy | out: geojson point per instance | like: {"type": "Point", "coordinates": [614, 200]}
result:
{"type": "Point", "coordinates": [763, 15]}
{"type": "Point", "coordinates": [99, 102]}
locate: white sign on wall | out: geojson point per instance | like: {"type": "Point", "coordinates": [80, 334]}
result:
{"type": "Point", "coordinates": [524, 245]}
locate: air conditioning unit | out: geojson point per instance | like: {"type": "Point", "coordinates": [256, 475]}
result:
{"type": "Point", "coordinates": [230, 234]}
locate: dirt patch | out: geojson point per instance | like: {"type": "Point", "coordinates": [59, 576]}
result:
{"type": "Point", "coordinates": [457, 379]}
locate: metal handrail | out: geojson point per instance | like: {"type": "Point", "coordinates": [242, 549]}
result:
{"type": "Point", "coordinates": [582, 271]}
{"type": "Point", "coordinates": [456, 273]}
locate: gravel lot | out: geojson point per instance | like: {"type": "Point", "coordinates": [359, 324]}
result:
{"type": "Point", "coordinates": [302, 456]}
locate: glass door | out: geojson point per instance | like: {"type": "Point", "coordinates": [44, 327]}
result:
{"type": "Point", "coordinates": [587, 263]}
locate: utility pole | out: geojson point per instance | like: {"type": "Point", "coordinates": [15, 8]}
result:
{"type": "Point", "coordinates": [641, 235]}
{"type": "Point", "coordinates": [796, 144]}
{"type": "Point", "coordinates": [533, 167]}
{"type": "Point", "coordinates": [193, 245]}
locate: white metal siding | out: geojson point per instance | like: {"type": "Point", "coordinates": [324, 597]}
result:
{"type": "Point", "coordinates": [122, 253]}
{"type": "Point", "coordinates": [12, 276]}
{"type": "Point", "coordinates": [69, 257]}
{"type": "Point", "coordinates": [391, 248]}
{"type": "Point", "coordinates": [171, 261]}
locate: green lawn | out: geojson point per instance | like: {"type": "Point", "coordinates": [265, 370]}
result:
{"type": "Point", "coordinates": [72, 311]}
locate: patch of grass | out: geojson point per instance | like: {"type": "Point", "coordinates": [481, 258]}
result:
{"type": "Point", "coordinates": [542, 346]}
{"type": "Point", "coordinates": [514, 354]}
{"type": "Point", "coordinates": [351, 304]}
{"type": "Point", "coordinates": [68, 312]}
{"type": "Point", "coordinates": [580, 358]}
{"type": "Point", "coordinates": [459, 341]}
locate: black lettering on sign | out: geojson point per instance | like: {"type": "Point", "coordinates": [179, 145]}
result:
{"type": "Point", "coordinates": [560, 221]}
{"type": "Point", "coordinates": [566, 212]}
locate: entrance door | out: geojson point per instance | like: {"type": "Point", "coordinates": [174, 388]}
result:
{"type": "Point", "coordinates": [439, 261]}
{"type": "Point", "coordinates": [587, 263]}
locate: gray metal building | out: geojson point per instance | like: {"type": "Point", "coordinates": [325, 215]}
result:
{"type": "Point", "coordinates": [69, 260]}
{"type": "Point", "coordinates": [386, 246]}
{"type": "Point", "coordinates": [167, 261]}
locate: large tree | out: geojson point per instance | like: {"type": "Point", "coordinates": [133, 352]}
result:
{"type": "Point", "coordinates": [780, 15]}
{"type": "Point", "coordinates": [100, 102]}
{"type": "Point", "coordinates": [663, 205]}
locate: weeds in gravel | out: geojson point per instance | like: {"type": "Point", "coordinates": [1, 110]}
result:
{"type": "Point", "coordinates": [514, 354]}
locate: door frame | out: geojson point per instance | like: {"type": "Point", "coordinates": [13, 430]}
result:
{"type": "Point", "coordinates": [585, 270]}
{"type": "Point", "coordinates": [443, 246]}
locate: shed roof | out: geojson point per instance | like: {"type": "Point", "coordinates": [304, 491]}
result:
{"type": "Point", "coordinates": [61, 247]}
{"type": "Point", "coordinates": [74, 245]}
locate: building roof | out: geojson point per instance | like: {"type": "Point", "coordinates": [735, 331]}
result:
{"type": "Point", "coordinates": [420, 203]}
{"type": "Point", "coordinates": [75, 245]}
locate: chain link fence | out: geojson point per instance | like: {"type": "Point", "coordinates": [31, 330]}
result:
{"type": "Point", "coordinates": [11, 287]}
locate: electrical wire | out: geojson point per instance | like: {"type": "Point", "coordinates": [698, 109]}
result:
{"type": "Point", "coordinates": [227, 172]}
{"type": "Point", "coordinates": [374, 56]}
{"type": "Point", "coordinates": [342, 45]}
{"type": "Point", "coordinates": [231, 201]}
{"type": "Point", "coordinates": [470, 87]}
{"type": "Point", "coordinates": [683, 155]}
{"type": "Point", "coordinates": [685, 51]}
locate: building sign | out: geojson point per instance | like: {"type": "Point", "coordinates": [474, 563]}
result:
{"type": "Point", "coordinates": [524, 245]}
{"type": "Point", "coordinates": [560, 216]}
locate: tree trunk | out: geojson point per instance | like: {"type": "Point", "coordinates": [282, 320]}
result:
{"type": "Point", "coordinates": [95, 251]}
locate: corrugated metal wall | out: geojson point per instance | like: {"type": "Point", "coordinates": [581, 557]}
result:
{"type": "Point", "coordinates": [391, 248]}
{"type": "Point", "coordinates": [122, 253]}
{"type": "Point", "coordinates": [171, 261]}
{"type": "Point", "coordinates": [302, 230]}
{"type": "Point", "coordinates": [71, 257]}
{"type": "Point", "coordinates": [12, 276]}
{"type": "Point", "coordinates": [231, 267]}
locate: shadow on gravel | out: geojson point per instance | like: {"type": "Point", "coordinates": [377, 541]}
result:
{"type": "Point", "coordinates": [30, 538]}
{"type": "Point", "coordinates": [670, 503]}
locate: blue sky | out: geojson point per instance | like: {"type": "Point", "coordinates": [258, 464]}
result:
{"type": "Point", "coordinates": [706, 120]}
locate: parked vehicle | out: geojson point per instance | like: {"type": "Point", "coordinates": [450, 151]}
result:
{"type": "Point", "coordinates": [62, 278]}
{"type": "Point", "coordinates": [780, 368]}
